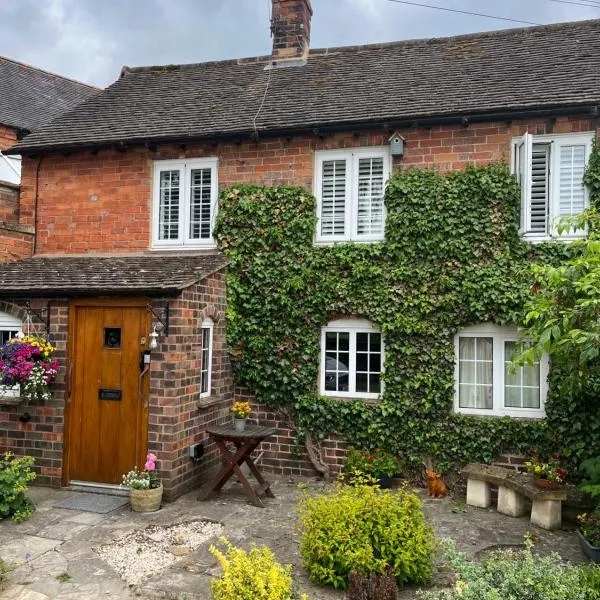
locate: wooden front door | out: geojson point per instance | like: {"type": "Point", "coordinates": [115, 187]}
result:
{"type": "Point", "coordinates": [107, 393]}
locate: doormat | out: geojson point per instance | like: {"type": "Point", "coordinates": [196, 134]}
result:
{"type": "Point", "coordinates": [96, 503]}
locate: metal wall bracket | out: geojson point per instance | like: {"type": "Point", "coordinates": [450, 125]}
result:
{"type": "Point", "coordinates": [160, 314]}
{"type": "Point", "coordinates": [41, 315]}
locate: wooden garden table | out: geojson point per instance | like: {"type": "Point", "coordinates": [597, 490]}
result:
{"type": "Point", "coordinates": [245, 443]}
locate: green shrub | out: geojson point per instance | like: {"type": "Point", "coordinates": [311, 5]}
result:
{"type": "Point", "coordinates": [590, 485]}
{"type": "Point", "coordinates": [589, 579]}
{"type": "Point", "coordinates": [254, 575]}
{"type": "Point", "coordinates": [514, 575]}
{"type": "Point", "coordinates": [364, 529]}
{"type": "Point", "coordinates": [15, 474]}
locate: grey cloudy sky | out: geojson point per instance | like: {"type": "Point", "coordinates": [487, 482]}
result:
{"type": "Point", "coordinates": [91, 40]}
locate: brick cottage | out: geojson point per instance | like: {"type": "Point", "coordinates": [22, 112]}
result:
{"type": "Point", "coordinates": [29, 98]}
{"type": "Point", "coordinates": [122, 191]}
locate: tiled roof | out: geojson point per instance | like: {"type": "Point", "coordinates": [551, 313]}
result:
{"type": "Point", "coordinates": [30, 97]}
{"type": "Point", "coordinates": [516, 69]}
{"type": "Point", "coordinates": [90, 275]}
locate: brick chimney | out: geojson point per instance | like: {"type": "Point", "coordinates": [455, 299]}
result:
{"type": "Point", "coordinates": [290, 28]}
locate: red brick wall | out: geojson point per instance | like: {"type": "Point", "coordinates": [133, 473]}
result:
{"type": "Point", "coordinates": [8, 137]}
{"type": "Point", "coordinates": [16, 241]}
{"type": "Point", "coordinates": [42, 436]}
{"type": "Point", "coordinates": [102, 202]}
{"type": "Point", "coordinates": [178, 416]}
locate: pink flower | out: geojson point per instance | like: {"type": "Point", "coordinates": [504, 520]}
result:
{"type": "Point", "coordinates": [151, 457]}
{"type": "Point", "coordinates": [149, 466]}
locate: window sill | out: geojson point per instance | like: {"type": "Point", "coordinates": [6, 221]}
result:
{"type": "Point", "coordinates": [371, 399]}
{"type": "Point", "coordinates": [208, 401]}
{"type": "Point", "coordinates": [346, 241]}
{"type": "Point", "coordinates": [183, 248]}
{"type": "Point", "coordinates": [540, 239]}
{"type": "Point", "coordinates": [525, 415]}
{"type": "Point", "coordinates": [11, 400]}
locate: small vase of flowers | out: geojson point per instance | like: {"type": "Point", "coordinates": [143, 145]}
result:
{"type": "Point", "coordinates": [26, 361]}
{"type": "Point", "coordinates": [241, 411]}
{"type": "Point", "coordinates": [548, 474]}
{"type": "Point", "coordinates": [145, 488]}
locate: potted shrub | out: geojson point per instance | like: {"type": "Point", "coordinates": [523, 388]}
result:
{"type": "Point", "coordinates": [241, 411]}
{"type": "Point", "coordinates": [589, 534]}
{"type": "Point", "coordinates": [377, 464]}
{"type": "Point", "coordinates": [145, 488]}
{"type": "Point", "coordinates": [26, 361]}
{"type": "Point", "coordinates": [547, 474]}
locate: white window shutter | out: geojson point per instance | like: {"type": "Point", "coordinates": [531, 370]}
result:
{"type": "Point", "coordinates": [333, 197]}
{"type": "Point", "coordinates": [571, 191]}
{"type": "Point", "coordinates": [169, 204]}
{"type": "Point", "coordinates": [540, 189]}
{"type": "Point", "coordinates": [371, 185]}
{"type": "Point", "coordinates": [524, 150]}
{"type": "Point", "coordinates": [200, 206]}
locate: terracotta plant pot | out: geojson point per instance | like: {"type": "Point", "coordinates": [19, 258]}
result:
{"type": "Point", "coordinates": [146, 500]}
{"type": "Point", "coordinates": [240, 424]}
{"type": "Point", "coordinates": [592, 552]}
{"type": "Point", "coordinates": [546, 484]}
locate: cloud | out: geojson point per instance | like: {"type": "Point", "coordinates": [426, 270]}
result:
{"type": "Point", "coordinates": [91, 40]}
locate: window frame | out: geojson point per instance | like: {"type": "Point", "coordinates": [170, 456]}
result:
{"type": "Point", "coordinates": [185, 166]}
{"type": "Point", "coordinates": [207, 324]}
{"type": "Point", "coordinates": [499, 336]}
{"type": "Point", "coordinates": [352, 327]}
{"type": "Point", "coordinates": [525, 144]}
{"type": "Point", "coordinates": [352, 157]}
{"type": "Point", "coordinates": [9, 322]}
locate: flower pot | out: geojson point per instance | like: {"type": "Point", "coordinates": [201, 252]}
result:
{"type": "Point", "coordinates": [385, 482]}
{"type": "Point", "coordinates": [592, 552]}
{"type": "Point", "coordinates": [146, 500]}
{"type": "Point", "coordinates": [546, 484]}
{"type": "Point", "coordinates": [240, 424]}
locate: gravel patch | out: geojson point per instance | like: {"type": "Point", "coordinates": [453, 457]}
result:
{"type": "Point", "coordinates": [140, 554]}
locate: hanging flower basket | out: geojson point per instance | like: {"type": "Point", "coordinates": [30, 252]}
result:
{"type": "Point", "coordinates": [26, 361]}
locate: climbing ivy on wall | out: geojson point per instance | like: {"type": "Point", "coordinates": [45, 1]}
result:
{"type": "Point", "coordinates": [452, 257]}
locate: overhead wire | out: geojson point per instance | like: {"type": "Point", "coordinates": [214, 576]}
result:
{"type": "Point", "coordinates": [587, 3]}
{"type": "Point", "coordinates": [464, 12]}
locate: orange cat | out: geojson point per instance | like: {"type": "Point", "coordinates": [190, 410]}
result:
{"type": "Point", "coordinates": [435, 486]}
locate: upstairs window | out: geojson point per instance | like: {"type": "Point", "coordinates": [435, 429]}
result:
{"type": "Point", "coordinates": [350, 187]}
{"type": "Point", "coordinates": [550, 171]}
{"type": "Point", "coordinates": [351, 359]}
{"type": "Point", "coordinates": [206, 352]}
{"type": "Point", "coordinates": [485, 384]}
{"type": "Point", "coordinates": [185, 203]}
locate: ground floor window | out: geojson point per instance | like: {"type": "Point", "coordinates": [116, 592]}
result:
{"type": "Point", "coordinates": [206, 354]}
{"type": "Point", "coordinates": [351, 359]}
{"type": "Point", "coordinates": [9, 327]}
{"type": "Point", "coordinates": [485, 383]}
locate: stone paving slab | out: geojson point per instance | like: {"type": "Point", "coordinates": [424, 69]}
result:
{"type": "Point", "coordinates": [64, 541]}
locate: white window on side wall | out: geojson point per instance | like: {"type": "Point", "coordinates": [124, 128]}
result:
{"type": "Point", "coordinates": [9, 327]}
{"type": "Point", "coordinates": [485, 384]}
{"type": "Point", "coordinates": [352, 354]}
{"type": "Point", "coordinates": [206, 334]}
{"type": "Point", "coordinates": [185, 196]}
{"type": "Point", "coordinates": [349, 188]}
{"type": "Point", "coordinates": [550, 171]}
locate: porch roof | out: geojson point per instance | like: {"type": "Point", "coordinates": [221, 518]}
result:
{"type": "Point", "coordinates": [148, 274]}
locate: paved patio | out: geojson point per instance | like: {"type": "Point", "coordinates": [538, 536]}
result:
{"type": "Point", "coordinates": [55, 552]}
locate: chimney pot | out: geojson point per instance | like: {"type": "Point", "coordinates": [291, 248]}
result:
{"type": "Point", "coordinates": [290, 28]}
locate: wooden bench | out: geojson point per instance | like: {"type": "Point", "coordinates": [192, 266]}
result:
{"type": "Point", "coordinates": [514, 489]}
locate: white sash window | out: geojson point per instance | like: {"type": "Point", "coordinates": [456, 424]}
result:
{"type": "Point", "coordinates": [185, 203]}
{"type": "Point", "coordinates": [550, 171]}
{"type": "Point", "coordinates": [350, 188]}
{"type": "Point", "coordinates": [9, 327]}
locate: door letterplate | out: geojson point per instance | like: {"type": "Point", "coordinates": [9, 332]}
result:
{"type": "Point", "coordinates": [104, 394]}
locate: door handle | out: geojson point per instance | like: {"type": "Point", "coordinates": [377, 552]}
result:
{"type": "Point", "coordinates": [68, 382]}
{"type": "Point", "coordinates": [141, 385]}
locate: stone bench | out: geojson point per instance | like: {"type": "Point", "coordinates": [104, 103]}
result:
{"type": "Point", "coordinates": [514, 489]}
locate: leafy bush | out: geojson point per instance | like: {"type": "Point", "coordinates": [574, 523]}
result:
{"type": "Point", "coordinates": [590, 485]}
{"type": "Point", "coordinates": [375, 463]}
{"type": "Point", "coordinates": [364, 529]}
{"type": "Point", "coordinates": [372, 587]}
{"type": "Point", "coordinates": [15, 474]}
{"type": "Point", "coordinates": [254, 575]}
{"type": "Point", "coordinates": [514, 575]}
{"type": "Point", "coordinates": [589, 579]}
